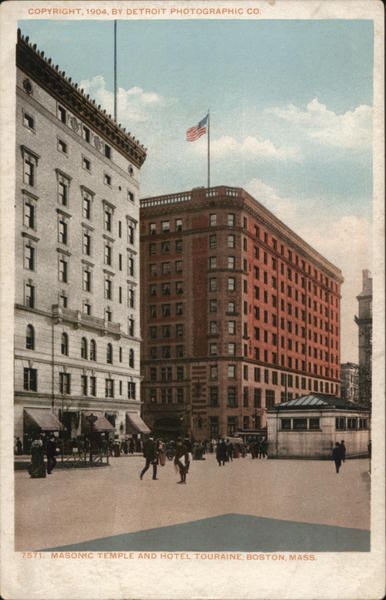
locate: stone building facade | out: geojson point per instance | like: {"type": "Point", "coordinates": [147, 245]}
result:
{"type": "Point", "coordinates": [349, 373]}
{"type": "Point", "coordinates": [77, 317]}
{"type": "Point", "coordinates": [364, 320]}
{"type": "Point", "coordinates": [239, 313]}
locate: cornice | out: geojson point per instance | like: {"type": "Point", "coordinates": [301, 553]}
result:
{"type": "Point", "coordinates": [35, 65]}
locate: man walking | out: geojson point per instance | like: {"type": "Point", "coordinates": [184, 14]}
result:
{"type": "Point", "coordinates": [151, 456]}
{"type": "Point", "coordinates": [343, 450]}
{"type": "Point", "coordinates": [181, 452]}
{"type": "Point", "coordinates": [51, 454]}
{"type": "Point", "coordinates": [337, 456]}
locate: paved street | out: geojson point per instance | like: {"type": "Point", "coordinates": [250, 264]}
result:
{"type": "Point", "coordinates": [73, 506]}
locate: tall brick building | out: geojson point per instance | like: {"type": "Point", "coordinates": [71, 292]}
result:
{"type": "Point", "coordinates": [238, 313]}
{"type": "Point", "coordinates": [77, 331]}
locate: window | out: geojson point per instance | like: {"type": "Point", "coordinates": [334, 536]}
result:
{"type": "Point", "coordinates": [314, 423]}
{"type": "Point", "coordinates": [65, 383]}
{"type": "Point", "coordinates": [165, 226]}
{"type": "Point", "coordinates": [29, 171]}
{"type": "Point", "coordinates": [178, 246]}
{"type": "Point", "coordinates": [93, 386]}
{"type": "Point", "coordinates": [64, 344]}
{"type": "Point", "coordinates": [269, 398]}
{"type": "Point", "coordinates": [86, 281]}
{"type": "Point", "coordinates": [165, 289]}
{"type": "Point", "coordinates": [299, 424]}
{"type": "Point", "coordinates": [178, 224]}
{"type": "Point", "coordinates": [232, 397]}
{"type": "Point", "coordinates": [131, 390]}
{"type": "Point", "coordinates": [212, 241]}
{"type": "Point", "coordinates": [130, 232]}
{"type": "Point", "coordinates": [93, 350]}
{"type": "Point", "coordinates": [62, 114]}
{"type": "Point", "coordinates": [62, 146]}
{"type": "Point", "coordinates": [231, 371]}
{"type": "Point", "coordinates": [107, 151]}
{"type": "Point", "coordinates": [213, 349]}
{"type": "Point", "coordinates": [86, 134]}
{"type": "Point", "coordinates": [232, 348]}
{"type": "Point", "coordinates": [86, 164]}
{"type": "Point", "coordinates": [62, 231]}
{"type": "Point", "coordinates": [153, 228]}
{"type": "Point", "coordinates": [109, 354]}
{"type": "Point", "coordinates": [131, 298]}
{"type": "Point", "coordinates": [109, 388]}
{"type": "Point", "coordinates": [130, 266]}
{"type": "Point", "coordinates": [212, 262]}
{"type": "Point", "coordinates": [245, 397]}
{"type": "Point", "coordinates": [84, 384]}
{"type": "Point", "coordinates": [214, 427]}
{"type": "Point", "coordinates": [166, 268]}
{"type": "Point", "coordinates": [231, 220]}
{"type": "Point", "coordinates": [213, 396]}
{"type": "Point", "coordinates": [83, 348]}
{"type": "Point", "coordinates": [212, 220]}
{"type": "Point", "coordinates": [231, 241]}
{"type": "Point", "coordinates": [231, 284]}
{"type": "Point", "coordinates": [131, 329]}
{"type": "Point", "coordinates": [179, 308]}
{"type": "Point", "coordinates": [213, 371]}
{"type": "Point", "coordinates": [30, 380]}
{"type": "Point", "coordinates": [257, 398]}
{"type": "Point", "coordinates": [29, 256]}
{"type": "Point", "coordinates": [231, 262]}
{"type": "Point", "coordinates": [63, 270]}
{"type": "Point", "coordinates": [232, 327]}
{"type": "Point", "coordinates": [86, 245]}
{"type": "Point", "coordinates": [28, 121]}
{"type": "Point", "coordinates": [108, 218]}
{"type": "Point", "coordinates": [29, 214]}
{"type": "Point", "coordinates": [108, 254]}
{"type": "Point", "coordinates": [86, 205]}
{"type": "Point", "coordinates": [30, 338]}
{"type": "Point", "coordinates": [231, 307]}
{"type": "Point", "coordinates": [29, 295]}
{"type": "Point", "coordinates": [285, 424]}
{"type": "Point", "coordinates": [108, 288]}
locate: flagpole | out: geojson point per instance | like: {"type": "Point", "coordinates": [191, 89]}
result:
{"type": "Point", "coordinates": [208, 149]}
{"type": "Point", "coordinates": [115, 70]}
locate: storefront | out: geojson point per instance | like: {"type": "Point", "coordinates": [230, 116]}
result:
{"type": "Point", "coordinates": [38, 421]}
{"type": "Point", "coordinates": [310, 426]}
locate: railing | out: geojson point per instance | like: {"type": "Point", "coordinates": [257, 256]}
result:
{"type": "Point", "coordinates": [196, 193]}
{"type": "Point", "coordinates": [77, 317]}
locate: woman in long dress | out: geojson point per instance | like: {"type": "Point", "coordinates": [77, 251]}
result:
{"type": "Point", "coordinates": [37, 467]}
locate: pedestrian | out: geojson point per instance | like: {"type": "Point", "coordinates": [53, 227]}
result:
{"type": "Point", "coordinates": [221, 453]}
{"type": "Point", "coordinates": [19, 446]}
{"type": "Point", "coordinates": [230, 450]}
{"type": "Point", "coordinates": [181, 452]}
{"type": "Point", "coordinates": [51, 454]}
{"type": "Point", "coordinates": [161, 453]}
{"type": "Point", "coordinates": [343, 450]}
{"type": "Point", "coordinates": [337, 456]}
{"type": "Point", "coordinates": [37, 467]}
{"type": "Point", "coordinates": [265, 448]}
{"type": "Point", "coordinates": [151, 456]}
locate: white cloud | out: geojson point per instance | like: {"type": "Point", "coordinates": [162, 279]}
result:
{"type": "Point", "coordinates": [249, 148]}
{"type": "Point", "coordinates": [132, 104]}
{"type": "Point", "coordinates": [344, 240]}
{"type": "Point", "coordinates": [350, 130]}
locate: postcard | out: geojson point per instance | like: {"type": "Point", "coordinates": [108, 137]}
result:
{"type": "Point", "coordinates": [192, 300]}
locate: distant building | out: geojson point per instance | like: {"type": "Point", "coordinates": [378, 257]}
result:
{"type": "Point", "coordinates": [349, 377]}
{"type": "Point", "coordinates": [310, 426]}
{"type": "Point", "coordinates": [77, 330]}
{"type": "Point", "coordinates": [364, 320]}
{"type": "Point", "coordinates": [238, 313]}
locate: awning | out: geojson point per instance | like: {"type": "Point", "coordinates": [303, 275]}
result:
{"type": "Point", "coordinates": [101, 423]}
{"type": "Point", "coordinates": [43, 418]}
{"type": "Point", "coordinates": [134, 424]}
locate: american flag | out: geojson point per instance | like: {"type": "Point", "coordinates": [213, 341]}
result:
{"type": "Point", "coordinates": [197, 131]}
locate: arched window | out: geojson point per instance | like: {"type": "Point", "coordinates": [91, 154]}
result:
{"type": "Point", "coordinates": [30, 338]}
{"type": "Point", "coordinates": [93, 350]}
{"type": "Point", "coordinates": [83, 348]}
{"type": "Point", "coordinates": [64, 344]}
{"type": "Point", "coordinates": [131, 358]}
{"type": "Point", "coordinates": [109, 354]}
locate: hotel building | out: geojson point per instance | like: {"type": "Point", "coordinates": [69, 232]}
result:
{"type": "Point", "coordinates": [238, 314]}
{"type": "Point", "coordinates": [77, 327]}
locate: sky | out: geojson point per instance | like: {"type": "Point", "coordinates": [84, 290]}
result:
{"type": "Point", "coordinates": [290, 117]}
